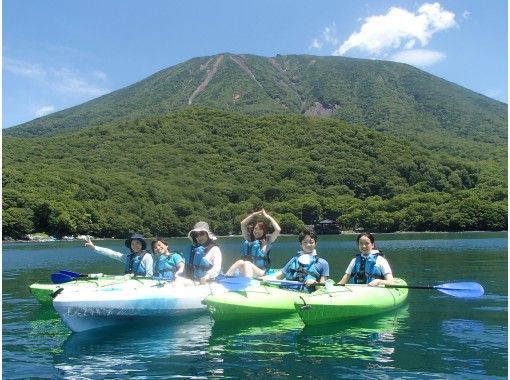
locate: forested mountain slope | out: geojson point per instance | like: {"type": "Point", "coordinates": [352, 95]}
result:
{"type": "Point", "coordinates": [159, 175]}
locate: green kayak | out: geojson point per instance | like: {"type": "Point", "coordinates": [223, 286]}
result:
{"type": "Point", "coordinates": [43, 292]}
{"type": "Point", "coordinates": [340, 303]}
{"type": "Point", "coordinates": [255, 301]}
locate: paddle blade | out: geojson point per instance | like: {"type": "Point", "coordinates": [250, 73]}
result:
{"type": "Point", "coordinates": [71, 274]}
{"type": "Point", "coordinates": [461, 289]}
{"type": "Point", "coordinates": [235, 283]}
{"type": "Point", "coordinates": [60, 278]}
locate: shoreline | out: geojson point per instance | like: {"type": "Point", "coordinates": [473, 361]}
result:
{"type": "Point", "coordinates": [227, 236]}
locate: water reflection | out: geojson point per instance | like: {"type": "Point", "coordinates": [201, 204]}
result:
{"type": "Point", "coordinates": [142, 348]}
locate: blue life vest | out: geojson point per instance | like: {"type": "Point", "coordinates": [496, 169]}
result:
{"type": "Point", "coordinates": [134, 264]}
{"type": "Point", "coordinates": [301, 273]}
{"type": "Point", "coordinates": [165, 266]}
{"type": "Point", "coordinates": [197, 264]}
{"type": "Point", "coordinates": [252, 251]}
{"type": "Point", "coordinates": [364, 270]}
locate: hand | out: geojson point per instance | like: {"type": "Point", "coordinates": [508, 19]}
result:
{"type": "Point", "coordinates": [88, 243]}
{"type": "Point", "coordinates": [375, 282]}
{"type": "Point", "coordinates": [310, 282]}
{"type": "Point", "coordinates": [204, 279]}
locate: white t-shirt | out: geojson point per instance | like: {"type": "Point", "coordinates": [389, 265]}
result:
{"type": "Point", "coordinates": [213, 257]}
{"type": "Point", "coordinates": [380, 263]}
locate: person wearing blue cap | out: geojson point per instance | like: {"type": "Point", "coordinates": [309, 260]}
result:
{"type": "Point", "coordinates": [138, 261]}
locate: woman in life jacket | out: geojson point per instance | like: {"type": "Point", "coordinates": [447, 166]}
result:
{"type": "Point", "coordinates": [168, 265]}
{"type": "Point", "coordinates": [369, 266]}
{"type": "Point", "coordinates": [138, 261]}
{"type": "Point", "coordinates": [204, 259]}
{"type": "Point", "coordinates": [255, 261]}
{"type": "Point", "coordinates": [306, 267]}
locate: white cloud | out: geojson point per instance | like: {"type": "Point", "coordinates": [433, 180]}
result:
{"type": "Point", "coordinates": [316, 44]}
{"type": "Point", "coordinates": [399, 28]}
{"type": "Point", "coordinates": [418, 57]}
{"type": "Point", "coordinates": [23, 69]}
{"type": "Point", "coordinates": [44, 111]}
{"type": "Point", "coordinates": [72, 81]}
{"type": "Point", "coordinates": [63, 79]}
{"type": "Point", "coordinates": [328, 35]}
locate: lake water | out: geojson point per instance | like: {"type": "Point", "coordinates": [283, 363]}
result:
{"type": "Point", "coordinates": [434, 336]}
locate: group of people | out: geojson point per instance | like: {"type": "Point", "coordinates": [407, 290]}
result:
{"type": "Point", "coordinates": [203, 262]}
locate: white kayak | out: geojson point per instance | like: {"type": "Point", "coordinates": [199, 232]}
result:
{"type": "Point", "coordinates": [89, 309]}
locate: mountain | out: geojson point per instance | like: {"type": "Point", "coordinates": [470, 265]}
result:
{"type": "Point", "coordinates": [385, 96]}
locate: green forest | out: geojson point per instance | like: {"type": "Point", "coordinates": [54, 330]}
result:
{"type": "Point", "coordinates": [159, 175]}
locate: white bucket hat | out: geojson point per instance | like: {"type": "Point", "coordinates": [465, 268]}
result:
{"type": "Point", "coordinates": [201, 226]}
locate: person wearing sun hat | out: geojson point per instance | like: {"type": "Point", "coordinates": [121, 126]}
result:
{"type": "Point", "coordinates": [138, 261]}
{"type": "Point", "coordinates": [203, 262]}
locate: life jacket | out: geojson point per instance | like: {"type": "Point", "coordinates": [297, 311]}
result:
{"type": "Point", "coordinates": [300, 272]}
{"type": "Point", "coordinates": [197, 265]}
{"type": "Point", "coordinates": [252, 251]}
{"type": "Point", "coordinates": [165, 266]}
{"type": "Point", "coordinates": [134, 263]}
{"type": "Point", "coordinates": [365, 270]}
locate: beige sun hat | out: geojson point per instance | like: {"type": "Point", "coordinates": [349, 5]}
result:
{"type": "Point", "coordinates": [201, 226]}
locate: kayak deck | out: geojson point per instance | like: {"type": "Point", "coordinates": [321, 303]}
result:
{"type": "Point", "coordinates": [43, 292]}
{"type": "Point", "coordinates": [254, 302]}
{"type": "Point", "coordinates": [341, 303]}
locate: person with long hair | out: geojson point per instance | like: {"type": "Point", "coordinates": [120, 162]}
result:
{"type": "Point", "coordinates": [255, 260]}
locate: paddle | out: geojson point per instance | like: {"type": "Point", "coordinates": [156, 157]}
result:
{"type": "Point", "coordinates": [60, 278]}
{"type": "Point", "coordinates": [234, 283]}
{"type": "Point", "coordinates": [455, 289]}
{"type": "Point", "coordinates": [66, 276]}
{"type": "Point", "coordinates": [240, 282]}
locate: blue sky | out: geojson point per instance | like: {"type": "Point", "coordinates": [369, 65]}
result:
{"type": "Point", "coordinates": [61, 53]}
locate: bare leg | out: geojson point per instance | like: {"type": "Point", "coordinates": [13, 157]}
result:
{"type": "Point", "coordinates": [251, 270]}
{"type": "Point", "coordinates": [237, 265]}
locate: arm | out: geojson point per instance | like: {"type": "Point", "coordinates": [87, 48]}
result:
{"type": "Point", "coordinates": [105, 251]}
{"type": "Point", "coordinates": [347, 276]}
{"type": "Point", "coordinates": [148, 264]}
{"type": "Point", "coordinates": [388, 280]}
{"type": "Point", "coordinates": [345, 279]}
{"type": "Point", "coordinates": [214, 258]}
{"type": "Point", "coordinates": [244, 224]}
{"type": "Point", "coordinates": [180, 269]}
{"type": "Point", "coordinates": [324, 272]}
{"type": "Point", "coordinates": [276, 226]}
{"type": "Point", "coordinates": [111, 253]}
{"type": "Point", "coordinates": [385, 268]}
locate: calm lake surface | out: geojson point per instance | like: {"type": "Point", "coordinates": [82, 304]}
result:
{"type": "Point", "coordinates": [434, 336]}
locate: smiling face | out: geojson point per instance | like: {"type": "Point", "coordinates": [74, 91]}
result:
{"type": "Point", "coordinates": [136, 245]}
{"type": "Point", "coordinates": [258, 231]}
{"type": "Point", "coordinates": [201, 237]}
{"type": "Point", "coordinates": [365, 245]}
{"type": "Point", "coordinates": [160, 247]}
{"type": "Point", "coordinates": [308, 244]}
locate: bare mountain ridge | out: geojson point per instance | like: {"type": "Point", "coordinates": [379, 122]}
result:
{"type": "Point", "coordinates": [386, 96]}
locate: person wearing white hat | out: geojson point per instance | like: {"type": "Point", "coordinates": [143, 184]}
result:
{"type": "Point", "coordinates": [138, 261]}
{"type": "Point", "coordinates": [306, 267]}
{"type": "Point", "coordinates": [204, 261]}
